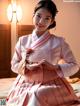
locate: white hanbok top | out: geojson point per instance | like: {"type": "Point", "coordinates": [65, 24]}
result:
{"type": "Point", "coordinates": [53, 49]}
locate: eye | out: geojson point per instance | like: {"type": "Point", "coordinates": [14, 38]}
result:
{"type": "Point", "coordinates": [48, 18]}
{"type": "Point", "coordinates": [38, 16]}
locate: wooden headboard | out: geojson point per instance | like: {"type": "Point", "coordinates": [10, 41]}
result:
{"type": "Point", "coordinates": [24, 29]}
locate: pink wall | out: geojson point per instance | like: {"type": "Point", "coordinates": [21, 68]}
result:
{"type": "Point", "coordinates": [3, 11]}
{"type": "Point", "coordinates": [68, 24]}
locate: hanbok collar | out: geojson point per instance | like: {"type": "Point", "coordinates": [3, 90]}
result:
{"type": "Point", "coordinates": [33, 43]}
{"type": "Point", "coordinates": [38, 41]}
{"type": "Point", "coordinates": [35, 36]}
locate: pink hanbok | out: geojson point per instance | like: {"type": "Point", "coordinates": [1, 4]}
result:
{"type": "Point", "coordinates": [41, 87]}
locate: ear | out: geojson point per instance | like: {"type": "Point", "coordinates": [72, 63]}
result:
{"type": "Point", "coordinates": [52, 21]}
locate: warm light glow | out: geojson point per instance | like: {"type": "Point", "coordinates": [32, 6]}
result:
{"type": "Point", "coordinates": [19, 13]}
{"type": "Point", "coordinates": [14, 12]}
{"type": "Point", "coordinates": [9, 12]}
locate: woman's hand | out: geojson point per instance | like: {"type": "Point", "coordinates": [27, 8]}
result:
{"type": "Point", "coordinates": [21, 67]}
{"type": "Point", "coordinates": [52, 67]}
{"type": "Point", "coordinates": [44, 65]}
{"type": "Point", "coordinates": [41, 64]}
{"type": "Point", "coordinates": [33, 66]}
{"type": "Point", "coordinates": [47, 65]}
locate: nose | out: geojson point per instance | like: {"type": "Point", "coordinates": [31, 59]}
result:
{"type": "Point", "coordinates": [41, 21]}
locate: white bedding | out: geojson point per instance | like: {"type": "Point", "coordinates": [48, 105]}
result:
{"type": "Point", "coordinates": [5, 85]}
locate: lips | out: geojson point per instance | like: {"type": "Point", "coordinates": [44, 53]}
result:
{"type": "Point", "coordinates": [40, 25]}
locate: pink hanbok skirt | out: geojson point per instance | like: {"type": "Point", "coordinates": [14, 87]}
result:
{"type": "Point", "coordinates": [41, 90]}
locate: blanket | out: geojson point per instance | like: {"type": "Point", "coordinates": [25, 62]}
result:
{"type": "Point", "coordinates": [6, 83]}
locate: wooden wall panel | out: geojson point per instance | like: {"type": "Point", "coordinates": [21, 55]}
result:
{"type": "Point", "coordinates": [5, 47]}
{"type": "Point", "coordinates": [5, 50]}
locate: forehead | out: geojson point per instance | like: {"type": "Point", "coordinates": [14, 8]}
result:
{"type": "Point", "coordinates": [43, 11]}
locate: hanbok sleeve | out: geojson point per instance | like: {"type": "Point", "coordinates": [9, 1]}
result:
{"type": "Point", "coordinates": [70, 67]}
{"type": "Point", "coordinates": [16, 57]}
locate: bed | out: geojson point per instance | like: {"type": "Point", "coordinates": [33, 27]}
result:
{"type": "Point", "coordinates": [6, 83]}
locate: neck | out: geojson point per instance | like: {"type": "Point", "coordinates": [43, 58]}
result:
{"type": "Point", "coordinates": [40, 33]}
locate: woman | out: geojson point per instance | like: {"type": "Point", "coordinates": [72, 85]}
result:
{"type": "Point", "coordinates": [41, 80]}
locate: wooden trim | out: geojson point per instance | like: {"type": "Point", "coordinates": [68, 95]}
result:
{"type": "Point", "coordinates": [5, 26]}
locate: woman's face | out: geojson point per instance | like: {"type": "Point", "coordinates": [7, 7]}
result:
{"type": "Point", "coordinates": [42, 20]}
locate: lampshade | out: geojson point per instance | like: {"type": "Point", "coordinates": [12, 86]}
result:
{"type": "Point", "coordinates": [9, 12]}
{"type": "Point", "coordinates": [19, 13]}
{"type": "Point", "coordinates": [14, 12]}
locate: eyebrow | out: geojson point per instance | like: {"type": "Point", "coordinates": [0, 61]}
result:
{"type": "Point", "coordinates": [46, 16]}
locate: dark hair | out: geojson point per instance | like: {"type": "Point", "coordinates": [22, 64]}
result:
{"type": "Point", "coordinates": [50, 6]}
